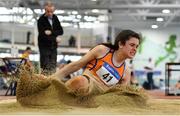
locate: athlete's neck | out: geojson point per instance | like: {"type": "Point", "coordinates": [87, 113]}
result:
{"type": "Point", "coordinates": [118, 58]}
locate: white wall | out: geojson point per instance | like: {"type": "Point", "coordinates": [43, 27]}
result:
{"type": "Point", "coordinates": [154, 47]}
{"type": "Point", "coordinates": [20, 31]}
{"type": "Point", "coordinates": [89, 37]}
{"type": "Point", "coordinates": [86, 36]}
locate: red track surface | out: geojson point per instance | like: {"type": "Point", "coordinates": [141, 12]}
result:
{"type": "Point", "coordinates": [159, 94]}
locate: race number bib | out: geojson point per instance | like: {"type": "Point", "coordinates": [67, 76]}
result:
{"type": "Point", "coordinates": [108, 74]}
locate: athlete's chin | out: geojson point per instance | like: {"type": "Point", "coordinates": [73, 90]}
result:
{"type": "Point", "coordinates": [131, 56]}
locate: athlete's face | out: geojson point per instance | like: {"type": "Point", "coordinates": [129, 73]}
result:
{"type": "Point", "coordinates": [130, 47]}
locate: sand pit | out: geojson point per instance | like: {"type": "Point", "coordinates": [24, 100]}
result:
{"type": "Point", "coordinates": [37, 90]}
{"type": "Point", "coordinates": [155, 106]}
{"type": "Point", "coordinates": [39, 95]}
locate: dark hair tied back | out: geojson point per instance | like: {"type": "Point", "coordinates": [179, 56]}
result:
{"type": "Point", "coordinates": [124, 36]}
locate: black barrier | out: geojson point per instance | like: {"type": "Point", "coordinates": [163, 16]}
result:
{"type": "Point", "coordinates": [172, 78]}
{"type": "Point", "coordinates": [9, 69]}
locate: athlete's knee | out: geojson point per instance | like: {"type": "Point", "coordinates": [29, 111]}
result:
{"type": "Point", "coordinates": [77, 82]}
{"type": "Point", "coordinates": [78, 85]}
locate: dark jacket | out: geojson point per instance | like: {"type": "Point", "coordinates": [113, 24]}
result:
{"type": "Point", "coordinates": [48, 41]}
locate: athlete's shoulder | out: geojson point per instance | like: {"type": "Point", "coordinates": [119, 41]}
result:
{"type": "Point", "coordinates": [101, 50]}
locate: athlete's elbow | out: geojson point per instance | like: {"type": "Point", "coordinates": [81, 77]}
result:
{"type": "Point", "coordinates": [75, 66]}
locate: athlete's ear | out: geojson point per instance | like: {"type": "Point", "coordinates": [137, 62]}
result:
{"type": "Point", "coordinates": [120, 45]}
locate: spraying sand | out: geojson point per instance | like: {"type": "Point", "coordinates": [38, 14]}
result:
{"type": "Point", "coordinates": [37, 90]}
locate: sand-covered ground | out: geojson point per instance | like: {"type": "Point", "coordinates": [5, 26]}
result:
{"type": "Point", "coordinates": [154, 106]}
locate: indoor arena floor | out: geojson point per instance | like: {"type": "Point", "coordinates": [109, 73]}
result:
{"type": "Point", "coordinates": [159, 104]}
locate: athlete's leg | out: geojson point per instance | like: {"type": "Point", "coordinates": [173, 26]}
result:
{"type": "Point", "coordinates": [79, 85]}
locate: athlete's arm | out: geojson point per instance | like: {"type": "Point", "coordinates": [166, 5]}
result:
{"type": "Point", "coordinates": [127, 76]}
{"type": "Point", "coordinates": [94, 53]}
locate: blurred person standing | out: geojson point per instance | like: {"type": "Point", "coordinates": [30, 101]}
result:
{"type": "Point", "coordinates": [28, 37]}
{"type": "Point", "coordinates": [26, 54]}
{"type": "Point", "coordinates": [72, 41]}
{"type": "Point", "coordinates": [133, 80]}
{"type": "Point", "coordinates": [49, 27]}
{"type": "Point", "coordinates": [149, 71]}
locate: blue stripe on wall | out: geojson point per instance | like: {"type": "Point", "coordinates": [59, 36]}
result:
{"type": "Point", "coordinates": [141, 73]}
